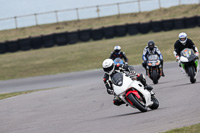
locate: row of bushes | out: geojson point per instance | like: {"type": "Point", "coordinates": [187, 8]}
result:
{"type": "Point", "coordinates": [97, 34]}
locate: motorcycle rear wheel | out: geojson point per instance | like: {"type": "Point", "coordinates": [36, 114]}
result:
{"type": "Point", "coordinates": [137, 103]}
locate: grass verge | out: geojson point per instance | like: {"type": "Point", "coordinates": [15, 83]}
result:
{"type": "Point", "coordinates": [88, 55]}
{"type": "Point", "coordinates": [7, 95]}
{"type": "Point", "coordinates": [189, 129]}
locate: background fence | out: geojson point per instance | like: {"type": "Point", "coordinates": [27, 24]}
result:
{"type": "Point", "coordinates": [65, 38]}
{"type": "Point", "coordinates": [89, 12]}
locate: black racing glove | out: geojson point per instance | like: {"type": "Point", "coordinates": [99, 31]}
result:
{"type": "Point", "coordinates": [110, 91]}
{"type": "Point", "coordinates": [125, 66]}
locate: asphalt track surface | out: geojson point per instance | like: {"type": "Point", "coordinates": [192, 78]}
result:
{"type": "Point", "coordinates": [79, 103]}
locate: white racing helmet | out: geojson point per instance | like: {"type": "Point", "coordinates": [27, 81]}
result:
{"type": "Point", "coordinates": [108, 66]}
{"type": "Point", "coordinates": [182, 38]}
{"type": "Point", "coordinates": [117, 49]}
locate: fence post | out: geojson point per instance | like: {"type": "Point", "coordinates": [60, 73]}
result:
{"type": "Point", "coordinates": [15, 22]}
{"type": "Point", "coordinates": [118, 9]}
{"type": "Point", "coordinates": [56, 13]}
{"type": "Point", "coordinates": [139, 6]}
{"type": "Point", "coordinates": [98, 10]}
{"type": "Point", "coordinates": [159, 4]}
{"type": "Point", "coordinates": [36, 21]}
{"type": "Point", "coordinates": [77, 14]}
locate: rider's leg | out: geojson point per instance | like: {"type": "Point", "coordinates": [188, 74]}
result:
{"type": "Point", "coordinates": [117, 101]}
{"type": "Point", "coordinates": [161, 68]}
{"type": "Point", "coordinates": [141, 78]}
{"type": "Point", "coordinates": [144, 64]}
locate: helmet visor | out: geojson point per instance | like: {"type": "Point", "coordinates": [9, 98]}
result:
{"type": "Point", "coordinates": [117, 51]}
{"type": "Point", "coordinates": [182, 39]}
{"type": "Point", "coordinates": [108, 69]}
{"type": "Point", "coordinates": [151, 47]}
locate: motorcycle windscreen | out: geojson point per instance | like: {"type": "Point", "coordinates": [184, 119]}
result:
{"type": "Point", "coordinates": [153, 57]}
{"type": "Point", "coordinates": [118, 60]}
{"type": "Point", "coordinates": [117, 79]}
{"type": "Point", "coordinates": [189, 54]}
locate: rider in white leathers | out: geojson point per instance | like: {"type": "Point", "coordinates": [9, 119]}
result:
{"type": "Point", "coordinates": [110, 69]}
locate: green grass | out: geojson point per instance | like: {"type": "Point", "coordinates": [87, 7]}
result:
{"type": "Point", "coordinates": [7, 95]}
{"type": "Point", "coordinates": [85, 56]}
{"type": "Point", "coordinates": [189, 129]}
{"type": "Point", "coordinates": [89, 55]}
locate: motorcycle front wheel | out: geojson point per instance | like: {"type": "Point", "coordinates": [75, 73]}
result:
{"type": "Point", "coordinates": [136, 102]}
{"type": "Point", "coordinates": [155, 76]}
{"type": "Point", "coordinates": [191, 74]}
{"type": "Point", "coordinates": [155, 104]}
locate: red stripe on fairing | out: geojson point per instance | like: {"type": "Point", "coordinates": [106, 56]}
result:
{"type": "Point", "coordinates": [104, 79]}
{"type": "Point", "coordinates": [134, 92]}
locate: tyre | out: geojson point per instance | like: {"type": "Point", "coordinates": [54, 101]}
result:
{"type": "Point", "coordinates": [155, 76]}
{"type": "Point", "coordinates": [155, 104]}
{"type": "Point", "coordinates": [191, 74]}
{"type": "Point", "coordinates": [136, 102]}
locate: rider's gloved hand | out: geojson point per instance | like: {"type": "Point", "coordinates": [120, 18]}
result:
{"type": "Point", "coordinates": [197, 53]}
{"type": "Point", "coordinates": [177, 58]}
{"type": "Point", "coordinates": [125, 66]}
{"type": "Point", "coordinates": [110, 91]}
{"type": "Point", "coordinates": [140, 76]}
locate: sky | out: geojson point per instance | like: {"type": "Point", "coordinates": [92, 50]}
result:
{"type": "Point", "coordinates": [11, 8]}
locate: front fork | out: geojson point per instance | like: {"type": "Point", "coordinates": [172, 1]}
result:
{"type": "Point", "coordinates": [160, 68]}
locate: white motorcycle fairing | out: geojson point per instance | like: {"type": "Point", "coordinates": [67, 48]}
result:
{"type": "Point", "coordinates": [127, 83]}
{"type": "Point", "coordinates": [183, 59]}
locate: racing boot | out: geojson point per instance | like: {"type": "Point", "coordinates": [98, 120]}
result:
{"type": "Point", "coordinates": [149, 88]}
{"type": "Point", "coordinates": [161, 72]}
{"type": "Point", "coordinates": [117, 101]}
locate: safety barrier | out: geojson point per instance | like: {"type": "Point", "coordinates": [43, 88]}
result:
{"type": "Point", "coordinates": [61, 38]}
{"type": "Point", "coordinates": [97, 34]}
{"type": "Point", "coordinates": [65, 38]}
{"type": "Point", "coordinates": [36, 42]}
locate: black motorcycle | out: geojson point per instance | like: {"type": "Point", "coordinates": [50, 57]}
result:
{"type": "Point", "coordinates": [154, 68]}
{"type": "Point", "coordinates": [189, 63]}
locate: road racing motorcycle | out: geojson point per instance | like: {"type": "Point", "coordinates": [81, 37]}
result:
{"type": "Point", "coordinates": [118, 61]}
{"type": "Point", "coordinates": [154, 71]}
{"type": "Point", "coordinates": [132, 92]}
{"type": "Point", "coordinates": [189, 64]}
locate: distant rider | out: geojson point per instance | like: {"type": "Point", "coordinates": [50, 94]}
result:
{"type": "Point", "coordinates": [117, 53]}
{"type": "Point", "coordinates": [110, 69]}
{"type": "Point", "coordinates": [182, 43]}
{"type": "Point", "coordinates": [152, 49]}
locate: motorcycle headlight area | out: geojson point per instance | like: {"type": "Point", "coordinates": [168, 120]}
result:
{"type": "Point", "coordinates": [158, 62]}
